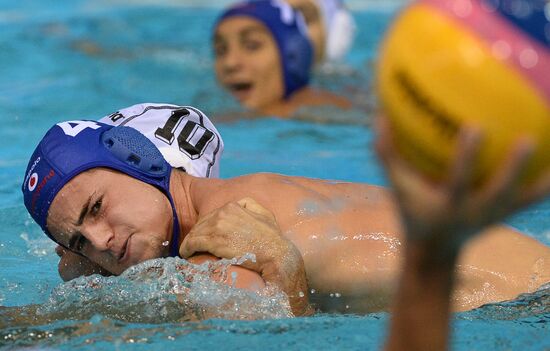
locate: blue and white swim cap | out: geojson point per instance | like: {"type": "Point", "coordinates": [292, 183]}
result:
{"type": "Point", "coordinates": [72, 147]}
{"type": "Point", "coordinates": [290, 33]}
{"type": "Point", "coordinates": [340, 29]}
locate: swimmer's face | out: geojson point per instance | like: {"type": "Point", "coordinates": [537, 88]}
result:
{"type": "Point", "coordinates": [315, 26]}
{"type": "Point", "coordinates": [112, 219]}
{"type": "Point", "coordinates": [247, 62]}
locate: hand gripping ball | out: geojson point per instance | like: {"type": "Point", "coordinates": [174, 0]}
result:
{"type": "Point", "coordinates": [449, 63]}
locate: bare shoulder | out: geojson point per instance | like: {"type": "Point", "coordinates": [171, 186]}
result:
{"type": "Point", "coordinates": [258, 186]}
{"type": "Point", "coordinates": [507, 259]}
{"type": "Point", "coordinates": [507, 239]}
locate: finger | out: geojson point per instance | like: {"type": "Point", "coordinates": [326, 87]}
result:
{"type": "Point", "coordinates": [462, 168]}
{"type": "Point", "coordinates": [253, 206]}
{"type": "Point", "coordinates": [502, 187]}
{"type": "Point", "coordinates": [212, 244]}
{"type": "Point", "coordinates": [207, 217]}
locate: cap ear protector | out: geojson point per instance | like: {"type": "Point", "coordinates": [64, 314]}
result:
{"type": "Point", "coordinates": [131, 147]}
{"type": "Point", "coordinates": [290, 33]}
{"type": "Point", "coordinates": [70, 148]}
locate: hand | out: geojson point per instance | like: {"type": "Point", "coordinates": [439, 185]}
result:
{"type": "Point", "coordinates": [246, 227]}
{"type": "Point", "coordinates": [450, 212]}
{"type": "Point", "coordinates": [72, 265]}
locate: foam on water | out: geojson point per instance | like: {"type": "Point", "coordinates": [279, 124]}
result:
{"type": "Point", "coordinates": [164, 290]}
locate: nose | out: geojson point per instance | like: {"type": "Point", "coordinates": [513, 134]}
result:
{"type": "Point", "coordinates": [232, 60]}
{"type": "Point", "coordinates": [100, 236]}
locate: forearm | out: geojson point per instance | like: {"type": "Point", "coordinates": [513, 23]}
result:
{"type": "Point", "coordinates": [295, 287]}
{"type": "Point", "coordinates": [289, 275]}
{"type": "Point", "coordinates": [72, 266]}
{"type": "Point", "coordinates": [421, 307]}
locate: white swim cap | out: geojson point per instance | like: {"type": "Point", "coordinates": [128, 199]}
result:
{"type": "Point", "coordinates": [339, 28]}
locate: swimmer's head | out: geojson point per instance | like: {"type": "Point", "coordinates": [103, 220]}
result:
{"type": "Point", "coordinates": [289, 33]}
{"type": "Point", "coordinates": [73, 147]}
{"type": "Point", "coordinates": [330, 25]}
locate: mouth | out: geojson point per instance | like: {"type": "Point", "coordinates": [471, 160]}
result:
{"type": "Point", "coordinates": [124, 252]}
{"type": "Point", "coordinates": [240, 90]}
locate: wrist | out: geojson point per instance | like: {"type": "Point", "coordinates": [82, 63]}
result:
{"type": "Point", "coordinates": [430, 257]}
{"type": "Point", "coordinates": [287, 271]}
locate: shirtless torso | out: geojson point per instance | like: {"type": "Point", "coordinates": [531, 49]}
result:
{"type": "Point", "coordinates": [350, 239]}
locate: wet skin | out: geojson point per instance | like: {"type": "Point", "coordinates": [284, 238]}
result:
{"type": "Point", "coordinates": [114, 220]}
{"type": "Point", "coordinates": [349, 236]}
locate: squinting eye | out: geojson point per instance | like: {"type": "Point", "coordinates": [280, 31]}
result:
{"type": "Point", "coordinates": [96, 207]}
{"type": "Point", "coordinates": [80, 243]}
{"type": "Point", "coordinates": [77, 243]}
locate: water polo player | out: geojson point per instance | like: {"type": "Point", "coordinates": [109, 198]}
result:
{"type": "Point", "coordinates": [106, 193]}
{"type": "Point", "coordinates": [331, 27]}
{"type": "Point", "coordinates": [263, 57]}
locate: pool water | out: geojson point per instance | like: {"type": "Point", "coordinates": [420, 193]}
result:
{"type": "Point", "coordinates": [84, 59]}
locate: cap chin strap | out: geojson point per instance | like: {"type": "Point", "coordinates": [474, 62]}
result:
{"type": "Point", "coordinates": [174, 243]}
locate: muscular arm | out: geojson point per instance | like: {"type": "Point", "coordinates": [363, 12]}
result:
{"type": "Point", "coordinates": [245, 227]}
{"type": "Point", "coordinates": [72, 266]}
{"type": "Point", "coordinates": [238, 277]}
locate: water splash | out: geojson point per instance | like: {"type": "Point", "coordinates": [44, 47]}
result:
{"type": "Point", "coordinates": [532, 306]}
{"type": "Point", "coordinates": [165, 290]}
{"type": "Point", "coordinates": [37, 247]}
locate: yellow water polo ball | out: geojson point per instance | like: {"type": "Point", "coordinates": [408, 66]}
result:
{"type": "Point", "coordinates": [447, 64]}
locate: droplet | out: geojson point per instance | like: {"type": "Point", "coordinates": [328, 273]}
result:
{"type": "Point", "coordinates": [165, 243]}
{"type": "Point", "coordinates": [301, 294]}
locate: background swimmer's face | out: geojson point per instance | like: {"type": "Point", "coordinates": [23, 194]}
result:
{"type": "Point", "coordinates": [247, 62]}
{"type": "Point", "coordinates": [111, 218]}
{"type": "Point", "coordinates": [315, 26]}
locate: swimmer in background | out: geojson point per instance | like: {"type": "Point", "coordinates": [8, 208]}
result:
{"type": "Point", "coordinates": [331, 237]}
{"type": "Point", "coordinates": [331, 28]}
{"type": "Point", "coordinates": [263, 57]}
